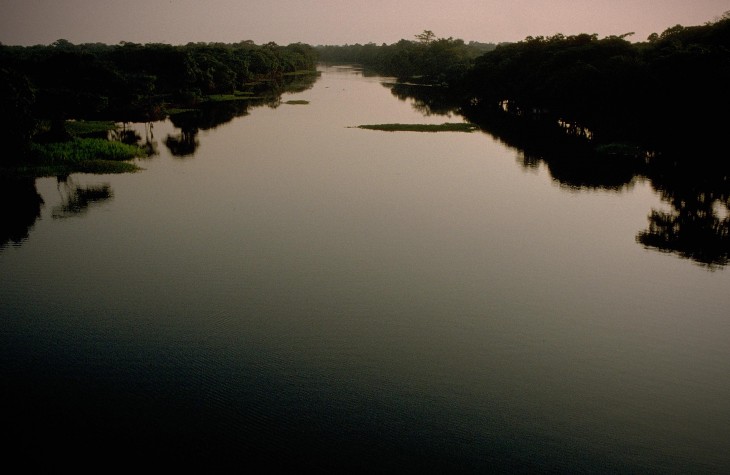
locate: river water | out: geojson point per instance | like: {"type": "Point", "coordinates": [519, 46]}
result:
{"type": "Point", "coordinates": [298, 292]}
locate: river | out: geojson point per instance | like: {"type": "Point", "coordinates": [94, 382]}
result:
{"type": "Point", "coordinates": [295, 291]}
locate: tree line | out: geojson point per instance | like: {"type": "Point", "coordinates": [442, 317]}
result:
{"type": "Point", "coordinates": [127, 81]}
{"type": "Point", "coordinates": [657, 94]}
{"type": "Point", "coordinates": [602, 113]}
{"type": "Point", "coordinates": [426, 58]}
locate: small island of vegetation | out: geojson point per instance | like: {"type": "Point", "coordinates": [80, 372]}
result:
{"type": "Point", "coordinates": [445, 127]}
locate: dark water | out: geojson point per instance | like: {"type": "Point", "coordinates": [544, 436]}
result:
{"type": "Point", "coordinates": [286, 290]}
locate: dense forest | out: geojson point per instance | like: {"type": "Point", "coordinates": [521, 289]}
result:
{"type": "Point", "coordinates": [42, 87]}
{"type": "Point", "coordinates": [653, 95]}
{"type": "Point", "coordinates": [628, 98]}
{"type": "Point", "coordinates": [427, 58]}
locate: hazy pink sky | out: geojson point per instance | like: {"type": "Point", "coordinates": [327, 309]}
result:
{"type": "Point", "coordinates": [27, 22]}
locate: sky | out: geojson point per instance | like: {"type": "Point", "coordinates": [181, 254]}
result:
{"type": "Point", "coordinates": [30, 22]}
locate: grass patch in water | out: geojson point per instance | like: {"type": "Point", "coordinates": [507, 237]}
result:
{"type": "Point", "coordinates": [302, 72]}
{"type": "Point", "coordinates": [445, 127]}
{"type": "Point", "coordinates": [297, 102]}
{"type": "Point", "coordinates": [179, 110]}
{"type": "Point", "coordinates": [84, 155]}
{"type": "Point", "coordinates": [86, 127]}
{"type": "Point", "coordinates": [80, 150]}
{"type": "Point", "coordinates": [231, 97]}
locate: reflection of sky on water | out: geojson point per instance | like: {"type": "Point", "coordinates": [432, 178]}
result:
{"type": "Point", "coordinates": [305, 288]}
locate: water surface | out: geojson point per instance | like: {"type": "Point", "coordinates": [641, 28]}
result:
{"type": "Point", "coordinates": [299, 291]}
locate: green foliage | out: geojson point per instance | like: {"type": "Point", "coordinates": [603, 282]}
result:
{"type": "Point", "coordinates": [125, 82]}
{"type": "Point", "coordinates": [84, 127]}
{"type": "Point", "coordinates": [179, 110]}
{"type": "Point", "coordinates": [83, 150]}
{"type": "Point", "coordinates": [80, 155]}
{"type": "Point", "coordinates": [657, 92]}
{"type": "Point", "coordinates": [297, 102]}
{"type": "Point", "coordinates": [429, 59]}
{"type": "Point", "coordinates": [605, 89]}
{"type": "Point", "coordinates": [227, 97]}
{"type": "Point", "coordinates": [131, 81]}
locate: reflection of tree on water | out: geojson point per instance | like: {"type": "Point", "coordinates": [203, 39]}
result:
{"type": "Point", "coordinates": [21, 202]}
{"type": "Point", "coordinates": [21, 206]}
{"type": "Point", "coordinates": [696, 187]}
{"type": "Point", "coordinates": [150, 145]}
{"type": "Point", "coordinates": [427, 100]}
{"type": "Point", "coordinates": [130, 136]}
{"type": "Point", "coordinates": [301, 83]}
{"type": "Point", "coordinates": [76, 199]}
{"type": "Point", "coordinates": [571, 161]}
{"type": "Point", "coordinates": [210, 115]}
{"type": "Point", "coordinates": [698, 226]}
{"type": "Point", "coordinates": [184, 144]}
{"type": "Point", "coordinates": [691, 230]}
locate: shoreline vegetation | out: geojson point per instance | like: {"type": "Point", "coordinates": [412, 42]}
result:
{"type": "Point", "coordinates": [654, 98]}
{"type": "Point", "coordinates": [61, 105]}
{"type": "Point", "coordinates": [642, 100]}
{"type": "Point", "coordinates": [86, 149]}
{"type": "Point", "coordinates": [597, 113]}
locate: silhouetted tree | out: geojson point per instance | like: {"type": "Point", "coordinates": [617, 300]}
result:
{"type": "Point", "coordinates": [17, 122]}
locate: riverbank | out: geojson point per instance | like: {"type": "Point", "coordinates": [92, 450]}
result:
{"type": "Point", "coordinates": [83, 147]}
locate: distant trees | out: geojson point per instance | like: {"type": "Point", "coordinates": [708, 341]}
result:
{"type": "Point", "coordinates": [657, 92]}
{"type": "Point", "coordinates": [428, 58]}
{"type": "Point", "coordinates": [608, 89]}
{"type": "Point", "coordinates": [82, 80]}
{"type": "Point", "coordinates": [426, 37]}
{"type": "Point", "coordinates": [125, 82]}
{"type": "Point", "coordinates": [577, 79]}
